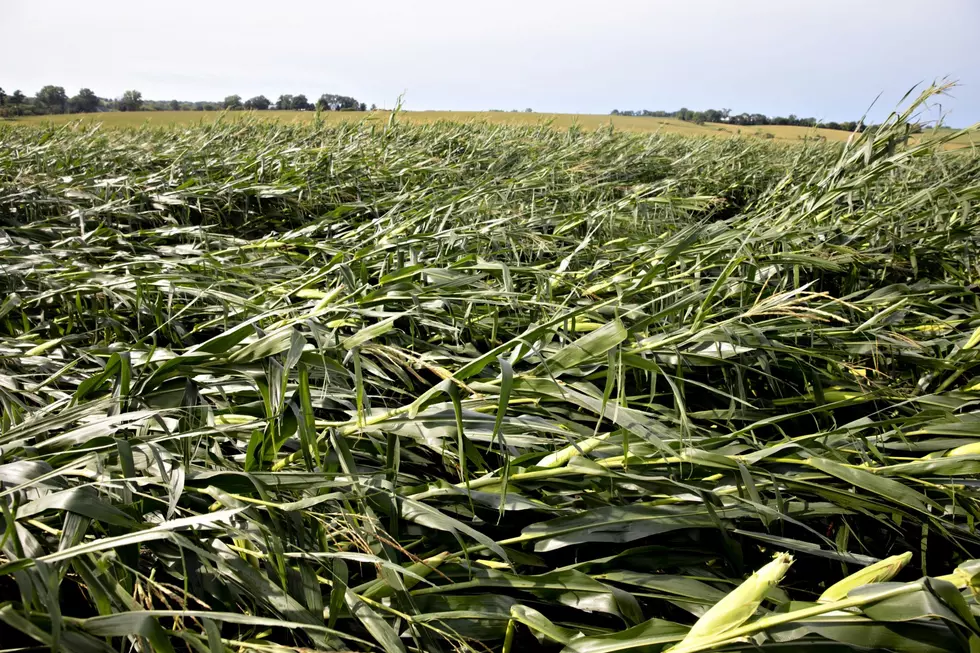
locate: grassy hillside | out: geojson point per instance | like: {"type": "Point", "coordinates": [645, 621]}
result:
{"type": "Point", "coordinates": [464, 387]}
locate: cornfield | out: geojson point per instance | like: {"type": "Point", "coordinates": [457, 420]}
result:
{"type": "Point", "coordinates": [394, 387]}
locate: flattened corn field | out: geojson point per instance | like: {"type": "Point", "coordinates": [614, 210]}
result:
{"type": "Point", "coordinates": [460, 387]}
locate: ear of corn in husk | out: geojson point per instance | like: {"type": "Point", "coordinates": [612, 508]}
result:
{"type": "Point", "coordinates": [966, 576]}
{"type": "Point", "coordinates": [971, 449]}
{"type": "Point", "coordinates": [878, 572]}
{"type": "Point", "coordinates": [738, 605]}
{"type": "Point", "coordinates": [380, 589]}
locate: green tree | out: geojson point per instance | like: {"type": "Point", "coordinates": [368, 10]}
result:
{"type": "Point", "coordinates": [300, 103]}
{"type": "Point", "coordinates": [85, 102]}
{"type": "Point", "coordinates": [52, 99]}
{"type": "Point", "coordinates": [175, 105]}
{"type": "Point", "coordinates": [3, 97]}
{"type": "Point", "coordinates": [131, 101]}
{"type": "Point", "coordinates": [233, 102]}
{"type": "Point", "coordinates": [259, 102]}
{"type": "Point", "coordinates": [284, 103]}
{"type": "Point", "coordinates": [712, 115]}
{"type": "Point", "coordinates": [332, 102]}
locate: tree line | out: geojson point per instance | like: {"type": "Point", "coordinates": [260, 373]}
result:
{"type": "Point", "coordinates": [53, 100]}
{"type": "Point", "coordinates": [746, 119]}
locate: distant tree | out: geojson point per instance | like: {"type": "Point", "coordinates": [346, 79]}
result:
{"type": "Point", "coordinates": [259, 102]}
{"type": "Point", "coordinates": [52, 99]}
{"type": "Point", "coordinates": [374, 107]}
{"type": "Point", "coordinates": [175, 105]}
{"type": "Point", "coordinates": [300, 103]}
{"type": "Point", "coordinates": [131, 101]}
{"type": "Point", "coordinates": [233, 102]}
{"type": "Point", "coordinates": [3, 97]}
{"type": "Point", "coordinates": [362, 107]}
{"type": "Point", "coordinates": [331, 102]}
{"type": "Point", "coordinates": [284, 103]}
{"type": "Point", "coordinates": [16, 102]}
{"type": "Point", "coordinates": [85, 102]}
{"type": "Point", "coordinates": [712, 115]}
{"type": "Point", "coordinates": [528, 110]}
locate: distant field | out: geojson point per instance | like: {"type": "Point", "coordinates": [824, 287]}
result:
{"type": "Point", "coordinates": [558, 120]}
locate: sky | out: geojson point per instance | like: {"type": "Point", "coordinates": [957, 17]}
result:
{"type": "Point", "coordinates": [828, 59]}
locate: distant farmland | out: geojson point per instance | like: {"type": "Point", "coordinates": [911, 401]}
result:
{"type": "Point", "coordinates": [557, 120]}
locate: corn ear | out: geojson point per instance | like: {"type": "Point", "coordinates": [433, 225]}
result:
{"type": "Point", "coordinates": [738, 605]}
{"type": "Point", "coordinates": [562, 456]}
{"type": "Point", "coordinates": [971, 449]}
{"type": "Point", "coordinates": [381, 589]}
{"type": "Point", "coordinates": [974, 340]}
{"type": "Point", "coordinates": [966, 576]}
{"type": "Point", "coordinates": [876, 573]}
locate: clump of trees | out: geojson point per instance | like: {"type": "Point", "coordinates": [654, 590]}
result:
{"type": "Point", "coordinates": [292, 103]}
{"type": "Point", "coordinates": [54, 100]}
{"type": "Point", "coordinates": [330, 102]}
{"type": "Point", "coordinates": [85, 102]}
{"type": "Point", "coordinates": [130, 101]}
{"type": "Point", "coordinates": [741, 119]}
{"type": "Point", "coordinates": [258, 103]}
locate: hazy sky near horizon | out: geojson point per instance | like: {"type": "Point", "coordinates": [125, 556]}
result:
{"type": "Point", "coordinates": [826, 59]}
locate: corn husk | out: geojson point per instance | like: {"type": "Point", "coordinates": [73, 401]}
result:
{"type": "Point", "coordinates": [738, 605]}
{"type": "Point", "coordinates": [971, 449]}
{"type": "Point", "coordinates": [876, 573]}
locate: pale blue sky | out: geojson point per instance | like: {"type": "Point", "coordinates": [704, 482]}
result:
{"type": "Point", "coordinates": [827, 59]}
